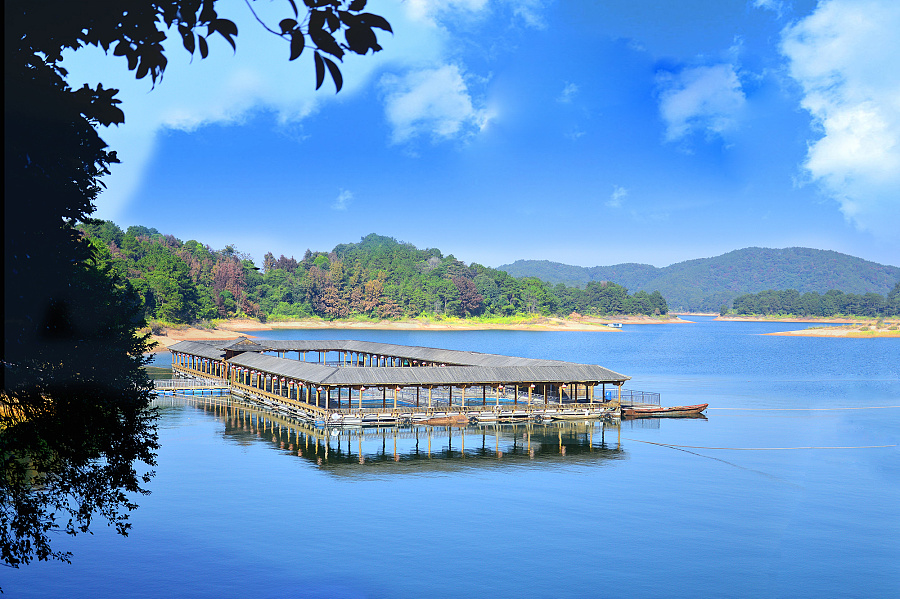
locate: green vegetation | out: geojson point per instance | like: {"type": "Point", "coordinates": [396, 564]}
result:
{"type": "Point", "coordinates": [833, 303]}
{"type": "Point", "coordinates": [706, 284]}
{"type": "Point", "coordinates": [377, 278]}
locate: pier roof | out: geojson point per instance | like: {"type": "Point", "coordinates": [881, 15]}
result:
{"type": "Point", "coordinates": [463, 367]}
{"type": "Point", "coordinates": [338, 376]}
{"type": "Point", "coordinates": [409, 352]}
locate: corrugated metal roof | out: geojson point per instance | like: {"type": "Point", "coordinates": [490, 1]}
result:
{"type": "Point", "coordinates": [199, 348]}
{"type": "Point", "coordinates": [409, 352]}
{"type": "Point", "coordinates": [336, 376]}
{"type": "Point", "coordinates": [469, 368]}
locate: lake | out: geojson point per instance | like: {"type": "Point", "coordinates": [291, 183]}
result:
{"type": "Point", "coordinates": [789, 488]}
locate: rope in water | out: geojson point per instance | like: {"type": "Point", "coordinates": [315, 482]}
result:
{"type": "Point", "coordinates": [759, 448]}
{"type": "Point", "coordinates": [804, 409]}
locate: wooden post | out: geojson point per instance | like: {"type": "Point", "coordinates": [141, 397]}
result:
{"type": "Point", "coordinates": [498, 395]}
{"type": "Point", "coordinates": [429, 407]}
{"type": "Point", "coordinates": [383, 398]}
{"type": "Point", "coordinates": [395, 399]}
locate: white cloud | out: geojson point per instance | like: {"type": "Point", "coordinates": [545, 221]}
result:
{"type": "Point", "coordinates": [776, 6]}
{"type": "Point", "coordinates": [429, 11]}
{"type": "Point", "coordinates": [531, 12]}
{"type": "Point", "coordinates": [567, 93]}
{"type": "Point", "coordinates": [434, 12]}
{"type": "Point", "coordinates": [343, 200]}
{"type": "Point", "coordinates": [433, 101]}
{"type": "Point", "coordinates": [844, 56]}
{"type": "Point", "coordinates": [704, 99]}
{"type": "Point", "coordinates": [616, 197]}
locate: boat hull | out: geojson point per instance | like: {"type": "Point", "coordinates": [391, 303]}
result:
{"type": "Point", "coordinates": [669, 412]}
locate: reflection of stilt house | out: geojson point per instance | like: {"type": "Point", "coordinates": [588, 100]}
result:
{"type": "Point", "coordinates": [363, 382]}
{"type": "Point", "coordinates": [350, 451]}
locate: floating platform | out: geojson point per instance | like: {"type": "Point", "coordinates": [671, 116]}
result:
{"type": "Point", "coordinates": [360, 383]}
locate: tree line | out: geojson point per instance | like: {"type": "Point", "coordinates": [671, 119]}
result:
{"type": "Point", "coordinates": [833, 303]}
{"type": "Point", "coordinates": [379, 277]}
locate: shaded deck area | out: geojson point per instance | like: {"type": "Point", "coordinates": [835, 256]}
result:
{"type": "Point", "coordinates": [359, 382]}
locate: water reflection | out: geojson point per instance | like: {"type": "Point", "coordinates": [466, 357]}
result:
{"type": "Point", "coordinates": [346, 451]}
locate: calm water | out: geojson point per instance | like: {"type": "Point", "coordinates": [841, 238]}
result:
{"type": "Point", "coordinates": [581, 512]}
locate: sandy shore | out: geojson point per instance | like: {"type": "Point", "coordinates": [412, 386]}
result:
{"type": "Point", "coordinates": [232, 329]}
{"type": "Point", "coordinates": [843, 331]}
{"type": "Point", "coordinates": [862, 328]}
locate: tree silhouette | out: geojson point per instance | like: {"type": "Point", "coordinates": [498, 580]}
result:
{"type": "Point", "coordinates": [74, 422]}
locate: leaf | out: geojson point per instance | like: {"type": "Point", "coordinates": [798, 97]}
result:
{"type": "Point", "coordinates": [360, 39]}
{"type": "Point", "coordinates": [334, 22]}
{"type": "Point", "coordinates": [294, 7]}
{"type": "Point", "coordinates": [335, 74]}
{"type": "Point", "coordinates": [320, 70]}
{"type": "Point", "coordinates": [323, 40]}
{"type": "Point", "coordinates": [357, 5]}
{"type": "Point", "coordinates": [187, 38]}
{"type": "Point", "coordinates": [204, 47]}
{"type": "Point", "coordinates": [121, 49]}
{"type": "Point", "coordinates": [286, 25]}
{"type": "Point", "coordinates": [298, 42]}
{"type": "Point", "coordinates": [224, 26]}
{"type": "Point", "coordinates": [370, 20]}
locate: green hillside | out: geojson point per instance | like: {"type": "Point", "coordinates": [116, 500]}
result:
{"type": "Point", "coordinates": [379, 277]}
{"type": "Point", "coordinates": [703, 285]}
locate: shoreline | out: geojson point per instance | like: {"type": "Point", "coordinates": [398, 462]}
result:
{"type": "Point", "coordinates": [855, 328]}
{"type": "Point", "coordinates": [853, 332]}
{"type": "Point", "coordinates": [236, 328]}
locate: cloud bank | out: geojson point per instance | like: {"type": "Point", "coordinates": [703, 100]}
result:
{"type": "Point", "coordinates": [844, 57]}
{"type": "Point", "coordinates": [704, 99]}
{"type": "Point", "coordinates": [431, 102]}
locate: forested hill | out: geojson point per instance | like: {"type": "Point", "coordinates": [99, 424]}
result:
{"type": "Point", "coordinates": [704, 285]}
{"type": "Point", "coordinates": [379, 277]}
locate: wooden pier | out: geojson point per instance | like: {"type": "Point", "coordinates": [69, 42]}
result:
{"type": "Point", "coordinates": [358, 383]}
{"type": "Point", "coordinates": [191, 386]}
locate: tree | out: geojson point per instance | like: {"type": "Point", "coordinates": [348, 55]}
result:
{"type": "Point", "coordinates": [73, 408]}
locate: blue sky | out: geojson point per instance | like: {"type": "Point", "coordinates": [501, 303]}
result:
{"type": "Point", "coordinates": [590, 132]}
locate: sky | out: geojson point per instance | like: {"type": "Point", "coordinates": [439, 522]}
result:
{"type": "Point", "coordinates": [589, 132]}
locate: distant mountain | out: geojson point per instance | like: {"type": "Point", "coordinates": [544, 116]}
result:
{"type": "Point", "coordinates": [705, 284]}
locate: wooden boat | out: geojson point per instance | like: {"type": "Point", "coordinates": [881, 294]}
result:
{"type": "Point", "coordinates": [661, 412]}
{"type": "Point", "coordinates": [379, 419]}
{"type": "Point", "coordinates": [579, 414]}
{"type": "Point", "coordinates": [442, 418]}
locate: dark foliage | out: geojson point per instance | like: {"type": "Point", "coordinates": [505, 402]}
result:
{"type": "Point", "coordinates": [73, 409]}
